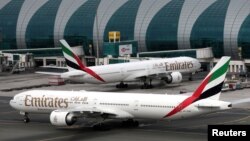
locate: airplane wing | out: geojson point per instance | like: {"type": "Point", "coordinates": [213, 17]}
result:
{"type": "Point", "coordinates": [208, 105]}
{"type": "Point", "coordinates": [158, 75]}
{"type": "Point", "coordinates": [136, 76]}
{"type": "Point", "coordinates": [48, 73]}
{"type": "Point", "coordinates": [51, 70]}
{"type": "Point", "coordinates": [141, 75]}
{"type": "Point", "coordinates": [64, 74]}
{"type": "Point", "coordinates": [54, 67]}
{"type": "Point", "coordinates": [96, 112]}
{"type": "Point", "coordinates": [92, 115]}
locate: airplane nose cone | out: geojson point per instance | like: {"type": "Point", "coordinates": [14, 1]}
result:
{"type": "Point", "coordinates": [12, 103]}
{"type": "Point", "coordinates": [199, 64]}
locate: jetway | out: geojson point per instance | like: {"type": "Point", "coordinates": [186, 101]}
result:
{"type": "Point", "coordinates": [16, 62]}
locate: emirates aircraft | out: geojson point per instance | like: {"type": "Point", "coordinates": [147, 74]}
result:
{"type": "Point", "coordinates": [170, 70]}
{"type": "Point", "coordinates": [67, 107]}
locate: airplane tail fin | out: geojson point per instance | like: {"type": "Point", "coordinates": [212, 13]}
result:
{"type": "Point", "coordinates": [211, 86]}
{"type": "Point", "coordinates": [72, 60]}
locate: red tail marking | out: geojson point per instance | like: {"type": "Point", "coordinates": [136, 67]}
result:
{"type": "Point", "coordinates": [89, 71]}
{"type": "Point", "coordinates": [190, 99]}
{"type": "Point", "coordinates": [86, 69]}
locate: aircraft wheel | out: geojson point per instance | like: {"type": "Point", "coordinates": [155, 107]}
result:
{"type": "Point", "coordinates": [130, 123]}
{"type": "Point", "coordinates": [136, 124]}
{"type": "Point", "coordinates": [26, 120]}
{"type": "Point", "coordinates": [190, 78]}
{"type": "Point", "coordinates": [126, 123]}
{"type": "Point", "coordinates": [118, 86]}
{"type": "Point", "coordinates": [144, 86]}
{"type": "Point", "coordinates": [101, 127]}
{"type": "Point", "coordinates": [148, 86]}
{"type": "Point", "coordinates": [125, 85]}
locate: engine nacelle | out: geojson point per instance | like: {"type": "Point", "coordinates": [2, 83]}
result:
{"type": "Point", "coordinates": [60, 118]}
{"type": "Point", "coordinates": [174, 77]}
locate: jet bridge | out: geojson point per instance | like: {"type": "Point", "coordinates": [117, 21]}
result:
{"type": "Point", "coordinates": [201, 54]}
{"type": "Point", "coordinates": [204, 55]}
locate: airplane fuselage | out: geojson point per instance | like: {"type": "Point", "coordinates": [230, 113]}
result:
{"type": "Point", "coordinates": [133, 70]}
{"type": "Point", "coordinates": [136, 106]}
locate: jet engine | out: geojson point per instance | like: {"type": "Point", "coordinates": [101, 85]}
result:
{"type": "Point", "coordinates": [174, 77]}
{"type": "Point", "coordinates": [61, 118]}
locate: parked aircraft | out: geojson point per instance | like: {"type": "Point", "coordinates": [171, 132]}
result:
{"type": "Point", "coordinates": [66, 107]}
{"type": "Point", "coordinates": [170, 70]}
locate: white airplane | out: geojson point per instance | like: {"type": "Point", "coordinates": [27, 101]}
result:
{"type": "Point", "coordinates": [67, 107]}
{"type": "Point", "coordinates": [168, 70]}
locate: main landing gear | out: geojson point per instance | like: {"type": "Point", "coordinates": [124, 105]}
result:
{"type": "Point", "coordinates": [26, 118]}
{"type": "Point", "coordinates": [130, 123]}
{"type": "Point", "coordinates": [190, 78]}
{"type": "Point", "coordinates": [101, 127]}
{"type": "Point", "coordinates": [147, 85]}
{"type": "Point", "coordinates": [122, 85]}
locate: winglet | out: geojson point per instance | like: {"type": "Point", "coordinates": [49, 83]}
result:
{"type": "Point", "coordinates": [73, 61]}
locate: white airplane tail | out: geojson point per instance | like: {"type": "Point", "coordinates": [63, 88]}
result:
{"type": "Point", "coordinates": [73, 61]}
{"type": "Point", "coordinates": [212, 84]}
{"type": "Point", "coordinates": [210, 87]}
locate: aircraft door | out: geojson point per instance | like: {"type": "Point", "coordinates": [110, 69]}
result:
{"type": "Point", "coordinates": [136, 105]}
{"type": "Point", "coordinates": [123, 71]}
{"type": "Point", "coordinates": [149, 69]}
{"type": "Point", "coordinates": [21, 99]}
{"type": "Point", "coordinates": [94, 103]}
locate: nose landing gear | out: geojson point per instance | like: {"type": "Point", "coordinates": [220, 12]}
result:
{"type": "Point", "coordinates": [122, 85]}
{"type": "Point", "coordinates": [26, 118]}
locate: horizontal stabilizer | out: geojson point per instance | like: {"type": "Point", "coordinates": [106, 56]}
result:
{"type": "Point", "coordinates": [97, 112]}
{"type": "Point", "coordinates": [72, 74]}
{"type": "Point", "coordinates": [48, 73]}
{"type": "Point", "coordinates": [54, 67]}
{"type": "Point", "coordinates": [208, 105]}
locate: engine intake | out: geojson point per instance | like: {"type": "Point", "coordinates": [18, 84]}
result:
{"type": "Point", "coordinates": [174, 77]}
{"type": "Point", "coordinates": [59, 118]}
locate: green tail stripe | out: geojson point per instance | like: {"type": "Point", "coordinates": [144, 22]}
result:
{"type": "Point", "coordinates": [67, 51]}
{"type": "Point", "coordinates": [222, 70]}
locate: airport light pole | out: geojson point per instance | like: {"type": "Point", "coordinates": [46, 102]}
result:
{"type": "Point", "coordinates": [97, 38]}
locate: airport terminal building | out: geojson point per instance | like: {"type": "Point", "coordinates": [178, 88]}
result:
{"type": "Point", "coordinates": [157, 25]}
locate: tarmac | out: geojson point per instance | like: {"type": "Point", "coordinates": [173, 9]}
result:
{"type": "Point", "coordinates": [12, 127]}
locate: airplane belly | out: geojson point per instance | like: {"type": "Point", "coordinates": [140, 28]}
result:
{"type": "Point", "coordinates": [108, 78]}
{"type": "Point", "coordinates": [152, 113]}
{"type": "Point", "coordinates": [91, 80]}
{"type": "Point", "coordinates": [186, 113]}
{"type": "Point", "coordinates": [38, 110]}
{"type": "Point", "coordinates": [113, 78]}
{"type": "Point", "coordinates": [77, 79]}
